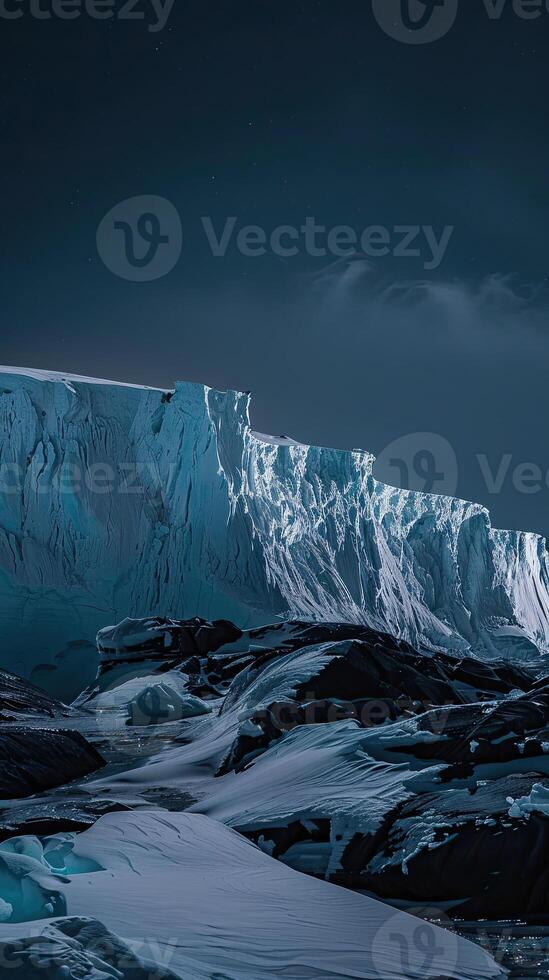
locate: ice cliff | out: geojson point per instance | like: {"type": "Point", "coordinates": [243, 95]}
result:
{"type": "Point", "coordinates": [119, 500]}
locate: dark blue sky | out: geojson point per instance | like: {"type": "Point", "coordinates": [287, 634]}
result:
{"type": "Point", "coordinates": [275, 113]}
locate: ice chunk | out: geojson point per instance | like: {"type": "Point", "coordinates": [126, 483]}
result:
{"type": "Point", "coordinates": [159, 703]}
{"type": "Point", "coordinates": [536, 802]}
{"type": "Point", "coordinates": [30, 889]}
{"type": "Point", "coordinates": [54, 853]}
{"type": "Point", "coordinates": [151, 700]}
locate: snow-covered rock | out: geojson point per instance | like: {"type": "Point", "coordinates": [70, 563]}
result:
{"type": "Point", "coordinates": [118, 500]}
{"type": "Point", "coordinates": [369, 764]}
{"type": "Point", "coordinates": [72, 948]}
{"type": "Point", "coordinates": [460, 848]}
{"type": "Point", "coordinates": [134, 639]}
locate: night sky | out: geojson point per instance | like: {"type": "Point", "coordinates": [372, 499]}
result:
{"type": "Point", "coordinates": [274, 113]}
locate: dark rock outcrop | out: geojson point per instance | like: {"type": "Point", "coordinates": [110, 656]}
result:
{"type": "Point", "coordinates": [459, 847]}
{"type": "Point", "coordinates": [33, 760]}
{"type": "Point", "coordinates": [31, 818]}
{"type": "Point", "coordinates": [19, 699]}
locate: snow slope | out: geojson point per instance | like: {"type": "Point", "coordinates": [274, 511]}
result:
{"type": "Point", "coordinates": [118, 501]}
{"type": "Point", "coordinates": [194, 896]}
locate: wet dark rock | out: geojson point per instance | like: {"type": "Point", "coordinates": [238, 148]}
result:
{"type": "Point", "coordinates": [33, 760]}
{"type": "Point", "coordinates": [44, 818]}
{"type": "Point", "coordinates": [484, 679]}
{"type": "Point", "coordinates": [364, 663]}
{"type": "Point", "coordinates": [191, 666]}
{"type": "Point", "coordinates": [297, 832]}
{"type": "Point", "coordinates": [20, 699]}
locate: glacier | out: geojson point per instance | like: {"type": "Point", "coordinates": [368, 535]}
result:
{"type": "Point", "coordinates": [118, 500]}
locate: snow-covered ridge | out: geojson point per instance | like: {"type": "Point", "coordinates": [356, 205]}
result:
{"type": "Point", "coordinates": [134, 501]}
{"type": "Point", "coordinates": [61, 376]}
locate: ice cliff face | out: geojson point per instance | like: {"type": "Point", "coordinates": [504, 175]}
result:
{"type": "Point", "coordinates": [117, 500]}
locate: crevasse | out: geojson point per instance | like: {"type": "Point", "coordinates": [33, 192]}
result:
{"type": "Point", "coordinates": [188, 512]}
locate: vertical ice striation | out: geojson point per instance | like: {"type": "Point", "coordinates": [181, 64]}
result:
{"type": "Point", "coordinates": [118, 500]}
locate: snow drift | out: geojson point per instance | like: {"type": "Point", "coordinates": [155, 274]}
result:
{"type": "Point", "coordinates": [193, 896]}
